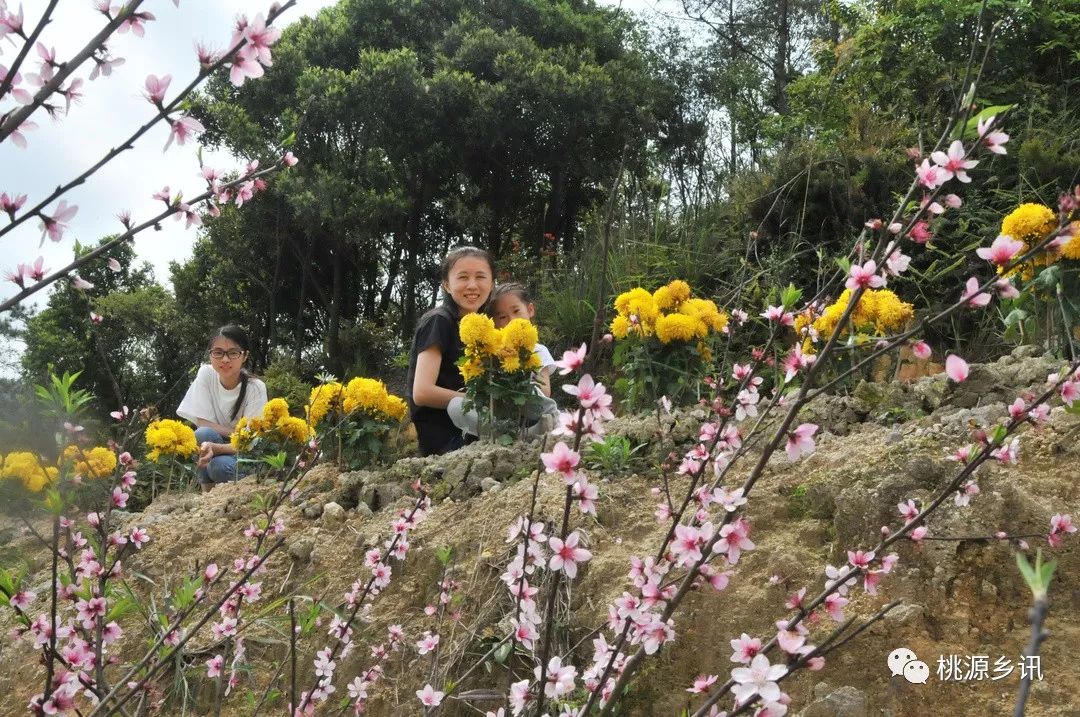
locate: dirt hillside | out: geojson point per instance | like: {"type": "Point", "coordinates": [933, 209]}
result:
{"type": "Point", "coordinates": [881, 445]}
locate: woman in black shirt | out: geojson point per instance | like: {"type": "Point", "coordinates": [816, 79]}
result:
{"type": "Point", "coordinates": [468, 276]}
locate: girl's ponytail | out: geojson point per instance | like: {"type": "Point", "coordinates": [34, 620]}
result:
{"type": "Point", "coordinates": [243, 394]}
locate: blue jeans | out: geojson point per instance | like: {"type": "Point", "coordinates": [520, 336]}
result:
{"type": "Point", "coordinates": [221, 469]}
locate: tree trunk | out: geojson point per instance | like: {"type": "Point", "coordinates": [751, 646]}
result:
{"type": "Point", "coordinates": [414, 249]}
{"type": "Point", "coordinates": [333, 339]}
{"type": "Point", "coordinates": [780, 60]}
{"type": "Point", "coordinates": [391, 274]}
{"type": "Point", "coordinates": [271, 313]}
{"type": "Point", "coordinates": [298, 346]}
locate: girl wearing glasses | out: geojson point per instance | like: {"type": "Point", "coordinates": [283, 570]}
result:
{"type": "Point", "coordinates": [222, 392]}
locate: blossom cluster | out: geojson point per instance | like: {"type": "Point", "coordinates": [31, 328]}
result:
{"type": "Point", "coordinates": [168, 437]}
{"type": "Point", "coordinates": [365, 395]}
{"type": "Point", "coordinates": [1022, 229]}
{"type": "Point", "coordinates": [358, 601]}
{"type": "Point", "coordinates": [96, 462]}
{"type": "Point", "coordinates": [511, 349]}
{"type": "Point", "coordinates": [670, 314]}
{"type": "Point", "coordinates": [29, 469]}
{"type": "Point", "coordinates": [879, 312]}
{"type": "Point", "coordinates": [275, 424]}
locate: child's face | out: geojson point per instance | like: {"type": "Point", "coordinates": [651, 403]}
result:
{"type": "Point", "coordinates": [470, 283]}
{"type": "Point", "coordinates": [509, 307]}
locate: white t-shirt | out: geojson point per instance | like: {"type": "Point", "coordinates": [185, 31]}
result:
{"type": "Point", "coordinates": [545, 356]}
{"type": "Point", "coordinates": [206, 398]}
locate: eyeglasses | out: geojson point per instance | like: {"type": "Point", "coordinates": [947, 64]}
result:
{"type": "Point", "coordinates": [231, 354]}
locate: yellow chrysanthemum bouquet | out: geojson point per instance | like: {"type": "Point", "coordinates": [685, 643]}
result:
{"type": "Point", "coordinates": [1046, 305]}
{"type": "Point", "coordinates": [663, 342]}
{"type": "Point", "coordinates": [498, 366]}
{"type": "Point", "coordinates": [357, 416]}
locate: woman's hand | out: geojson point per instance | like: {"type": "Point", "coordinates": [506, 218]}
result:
{"type": "Point", "coordinates": [206, 453]}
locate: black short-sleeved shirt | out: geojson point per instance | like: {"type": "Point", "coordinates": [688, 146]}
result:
{"type": "Point", "coordinates": [438, 327]}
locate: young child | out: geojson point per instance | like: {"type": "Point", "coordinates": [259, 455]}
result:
{"type": "Point", "coordinates": [511, 301]}
{"type": "Point", "coordinates": [468, 275]}
{"type": "Point", "coordinates": [221, 393]}
{"type": "Point", "coordinates": [508, 302]}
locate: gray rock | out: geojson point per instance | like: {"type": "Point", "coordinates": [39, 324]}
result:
{"type": "Point", "coordinates": [301, 548]}
{"type": "Point", "coordinates": [1021, 352]}
{"type": "Point", "coordinates": [312, 509]}
{"type": "Point", "coordinates": [363, 510]}
{"type": "Point", "coordinates": [333, 516]}
{"type": "Point", "coordinates": [907, 614]}
{"type": "Point", "coordinates": [843, 702]}
{"type": "Point", "coordinates": [387, 494]}
{"type": "Point", "coordinates": [490, 484]}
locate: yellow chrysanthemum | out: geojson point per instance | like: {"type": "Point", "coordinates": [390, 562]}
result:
{"type": "Point", "coordinates": [640, 308]}
{"type": "Point", "coordinates": [395, 407]}
{"type": "Point", "coordinates": [534, 363]}
{"type": "Point", "coordinates": [520, 335]}
{"type": "Point", "coordinates": [242, 435]}
{"type": "Point", "coordinates": [620, 327]}
{"type": "Point", "coordinates": [879, 310]}
{"type": "Point", "coordinates": [636, 295]}
{"type": "Point", "coordinates": [364, 394]}
{"type": "Point", "coordinates": [294, 429]}
{"type": "Point", "coordinates": [323, 400]}
{"type": "Point", "coordinates": [680, 290]}
{"type": "Point", "coordinates": [890, 313]}
{"type": "Point", "coordinates": [97, 462]}
{"type": "Point", "coordinates": [276, 409]}
{"type": "Point", "coordinates": [1029, 222]}
{"type": "Point", "coordinates": [477, 331]}
{"type": "Point", "coordinates": [167, 437]}
{"type": "Point", "coordinates": [28, 469]}
{"type": "Point", "coordinates": [706, 311]}
{"type": "Point", "coordinates": [1071, 248]}
{"type": "Point", "coordinates": [679, 327]}
{"type": "Point", "coordinates": [511, 364]}
{"type": "Point", "coordinates": [471, 368]}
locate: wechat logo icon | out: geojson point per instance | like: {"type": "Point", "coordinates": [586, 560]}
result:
{"type": "Point", "coordinates": [903, 661]}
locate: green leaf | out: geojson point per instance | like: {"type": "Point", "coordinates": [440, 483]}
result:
{"type": "Point", "coordinates": [1015, 317]}
{"type": "Point", "coordinates": [790, 296]}
{"type": "Point", "coordinates": [276, 460]}
{"type": "Point", "coordinates": [444, 554]}
{"type": "Point", "coordinates": [970, 130]}
{"type": "Point", "coordinates": [502, 653]}
{"type": "Point", "coordinates": [1037, 576]}
{"type": "Point", "coordinates": [844, 263]}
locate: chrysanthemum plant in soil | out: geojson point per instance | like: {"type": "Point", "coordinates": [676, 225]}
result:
{"type": "Point", "coordinates": [664, 343]}
{"type": "Point", "coordinates": [274, 438]}
{"type": "Point", "coordinates": [171, 447]}
{"type": "Point", "coordinates": [354, 420]}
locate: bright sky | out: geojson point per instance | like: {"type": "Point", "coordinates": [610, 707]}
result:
{"type": "Point", "coordinates": [111, 109]}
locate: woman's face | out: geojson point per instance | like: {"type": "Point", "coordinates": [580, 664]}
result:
{"type": "Point", "coordinates": [227, 358]}
{"type": "Point", "coordinates": [469, 283]}
{"type": "Point", "coordinates": [508, 307]}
